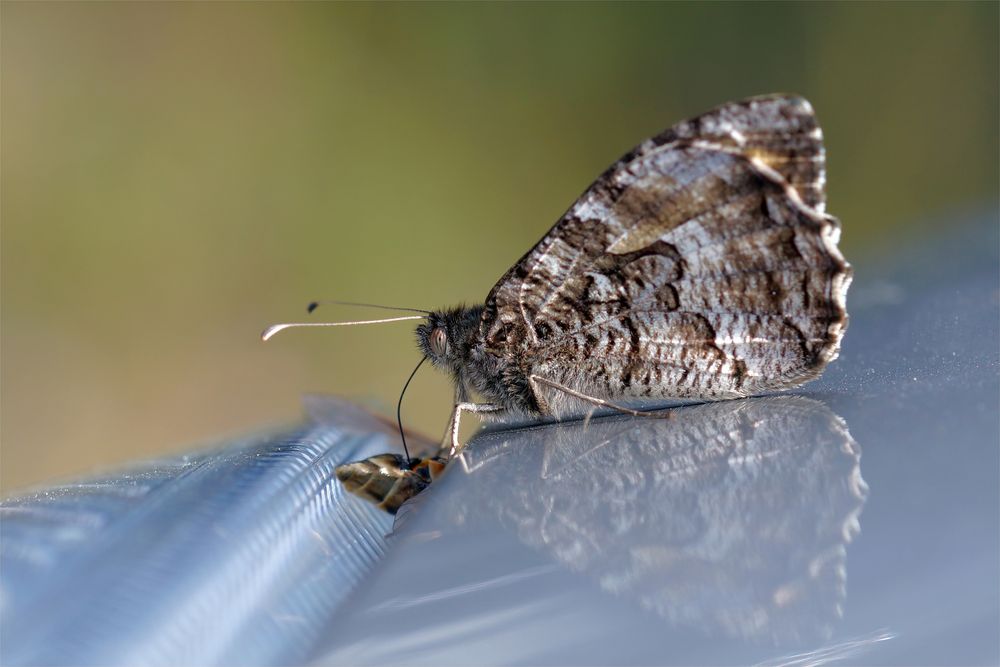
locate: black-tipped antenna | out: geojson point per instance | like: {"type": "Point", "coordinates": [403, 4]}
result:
{"type": "Point", "coordinates": [313, 305]}
{"type": "Point", "coordinates": [399, 411]}
{"type": "Point", "coordinates": [275, 328]}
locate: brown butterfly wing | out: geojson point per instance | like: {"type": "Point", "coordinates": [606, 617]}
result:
{"type": "Point", "coordinates": [700, 265]}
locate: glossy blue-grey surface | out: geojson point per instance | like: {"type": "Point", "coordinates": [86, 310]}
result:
{"type": "Point", "coordinates": [232, 556]}
{"type": "Point", "coordinates": [857, 521]}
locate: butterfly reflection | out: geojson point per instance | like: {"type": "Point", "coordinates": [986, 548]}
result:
{"type": "Point", "coordinates": [732, 517]}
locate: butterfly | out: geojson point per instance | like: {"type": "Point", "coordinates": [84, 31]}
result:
{"type": "Point", "coordinates": [701, 265]}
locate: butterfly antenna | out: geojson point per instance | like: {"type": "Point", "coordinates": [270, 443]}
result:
{"type": "Point", "coordinates": [275, 328]}
{"type": "Point", "coordinates": [313, 305]}
{"type": "Point", "coordinates": [399, 414]}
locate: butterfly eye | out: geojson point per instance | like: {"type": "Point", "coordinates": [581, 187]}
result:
{"type": "Point", "coordinates": [439, 342]}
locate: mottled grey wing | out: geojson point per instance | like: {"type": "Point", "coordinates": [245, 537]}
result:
{"type": "Point", "coordinates": [702, 265]}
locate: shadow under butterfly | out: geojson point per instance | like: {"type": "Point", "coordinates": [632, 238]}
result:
{"type": "Point", "coordinates": [732, 519]}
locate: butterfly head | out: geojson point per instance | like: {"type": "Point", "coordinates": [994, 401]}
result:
{"type": "Point", "coordinates": [445, 336]}
{"type": "Point", "coordinates": [433, 339]}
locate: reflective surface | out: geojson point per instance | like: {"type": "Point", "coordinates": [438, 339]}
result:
{"type": "Point", "coordinates": [856, 521]}
{"type": "Point", "coordinates": [730, 520]}
{"type": "Point", "coordinates": [232, 556]}
{"type": "Point", "coordinates": [730, 534]}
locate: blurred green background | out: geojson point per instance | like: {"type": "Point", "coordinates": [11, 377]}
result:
{"type": "Point", "coordinates": [177, 176]}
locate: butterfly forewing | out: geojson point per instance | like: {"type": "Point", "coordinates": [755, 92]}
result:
{"type": "Point", "coordinates": [700, 265]}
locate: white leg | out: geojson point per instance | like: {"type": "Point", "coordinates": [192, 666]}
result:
{"type": "Point", "coordinates": [475, 408]}
{"type": "Point", "coordinates": [593, 400]}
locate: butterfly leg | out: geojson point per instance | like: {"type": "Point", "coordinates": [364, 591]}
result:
{"type": "Point", "coordinates": [475, 408]}
{"type": "Point", "coordinates": [593, 400]}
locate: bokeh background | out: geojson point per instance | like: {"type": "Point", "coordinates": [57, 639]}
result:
{"type": "Point", "coordinates": [177, 176]}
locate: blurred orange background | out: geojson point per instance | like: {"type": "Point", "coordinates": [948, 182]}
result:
{"type": "Point", "coordinates": [176, 176]}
